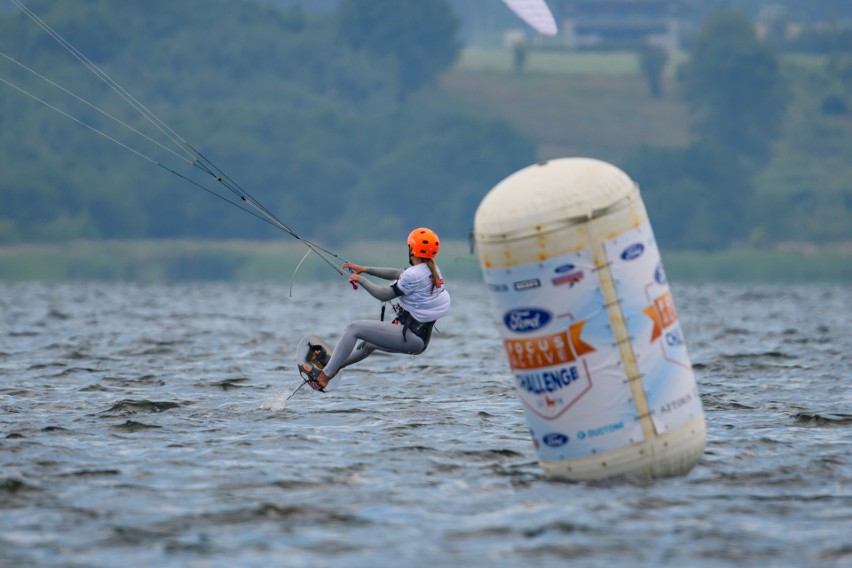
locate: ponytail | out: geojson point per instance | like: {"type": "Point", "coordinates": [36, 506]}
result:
{"type": "Point", "coordinates": [437, 281]}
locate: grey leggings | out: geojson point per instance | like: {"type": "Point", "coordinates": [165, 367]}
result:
{"type": "Point", "coordinates": [381, 335]}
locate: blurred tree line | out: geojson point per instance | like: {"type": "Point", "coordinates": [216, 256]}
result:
{"type": "Point", "coordinates": [315, 114]}
{"type": "Point", "coordinates": [326, 118]}
{"type": "Point", "coordinates": [756, 173]}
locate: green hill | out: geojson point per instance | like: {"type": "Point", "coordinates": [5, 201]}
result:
{"type": "Point", "coordinates": [597, 104]}
{"type": "Point", "coordinates": [570, 104]}
{"type": "Point", "coordinates": [318, 131]}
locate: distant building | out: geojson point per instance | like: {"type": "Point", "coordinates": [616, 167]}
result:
{"type": "Point", "coordinates": [597, 23]}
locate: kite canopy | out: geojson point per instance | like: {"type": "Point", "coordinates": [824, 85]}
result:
{"type": "Point", "coordinates": [535, 13]}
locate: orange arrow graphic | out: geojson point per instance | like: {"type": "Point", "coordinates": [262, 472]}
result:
{"type": "Point", "coordinates": [662, 312]}
{"type": "Point", "coordinates": [580, 346]}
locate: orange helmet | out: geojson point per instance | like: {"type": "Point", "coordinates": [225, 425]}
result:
{"type": "Point", "coordinates": [424, 243]}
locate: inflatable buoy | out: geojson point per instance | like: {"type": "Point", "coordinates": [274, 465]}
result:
{"type": "Point", "coordinates": [589, 325]}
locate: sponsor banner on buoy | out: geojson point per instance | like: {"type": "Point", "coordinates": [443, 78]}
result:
{"type": "Point", "coordinates": [653, 326]}
{"type": "Point", "coordinates": [560, 345]}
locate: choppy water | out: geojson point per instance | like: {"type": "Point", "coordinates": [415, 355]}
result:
{"type": "Point", "coordinates": [146, 426]}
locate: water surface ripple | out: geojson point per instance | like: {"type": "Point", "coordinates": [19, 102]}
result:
{"type": "Point", "coordinates": [147, 426]}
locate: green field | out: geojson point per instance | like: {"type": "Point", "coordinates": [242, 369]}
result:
{"type": "Point", "coordinates": [155, 261]}
{"type": "Point", "coordinates": [572, 104]}
{"type": "Point", "coordinates": [610, 63]}
{"type": "Point", "coordinates": [265, 261]}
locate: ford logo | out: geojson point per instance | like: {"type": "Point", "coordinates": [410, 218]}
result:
{"type": "Point", "coordinates": [524, 320]}
{"type": "Point", "coordinates": [633, 252]}
{"type": "Point", "coordinates": [555, 440]}
{"type": "Point", "coordinates": [563, 268]}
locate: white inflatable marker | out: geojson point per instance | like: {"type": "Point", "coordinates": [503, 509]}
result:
{"type": "Point", "coordinates": [589, 324]}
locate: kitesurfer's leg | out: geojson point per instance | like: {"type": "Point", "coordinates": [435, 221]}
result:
{"type": "Point", "coordinates": [361, 351]}
{"type": "Point", "coordinates": [376, 335]}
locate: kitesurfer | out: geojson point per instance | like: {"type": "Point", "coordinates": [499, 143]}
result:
{"type": "Point", "coordinates": [422, 297]}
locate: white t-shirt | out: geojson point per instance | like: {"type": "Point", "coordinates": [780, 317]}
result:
{"type": "Point", "coordinates": [419, 299]}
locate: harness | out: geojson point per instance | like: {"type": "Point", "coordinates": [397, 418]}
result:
{"type": "Point", "coordinates": [423, 330]}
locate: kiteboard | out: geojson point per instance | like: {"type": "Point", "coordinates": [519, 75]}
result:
{"type": "Point", "coordinates": [315, 351]}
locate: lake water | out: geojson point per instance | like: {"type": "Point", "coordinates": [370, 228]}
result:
{"type": "Point", "coordinates": [147, 426]}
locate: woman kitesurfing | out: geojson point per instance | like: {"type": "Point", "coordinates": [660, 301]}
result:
{"type": "Point", "coordinates": [423, 300]}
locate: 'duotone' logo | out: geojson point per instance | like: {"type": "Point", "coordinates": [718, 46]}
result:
{"type": "Point", "coordinates": [525, 320]}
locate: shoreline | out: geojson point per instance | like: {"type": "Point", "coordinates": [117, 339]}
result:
{"type": "Point", "coordinates": [190, 260]}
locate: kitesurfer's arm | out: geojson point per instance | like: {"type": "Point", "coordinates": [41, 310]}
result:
{"type": "Point", "coordinates": [384, 273]}
{"type": "Point", "coordinates": [381, 293]}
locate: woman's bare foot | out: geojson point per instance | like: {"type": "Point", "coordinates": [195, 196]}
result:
{"type": "Point", "coordinates": [323, 380]}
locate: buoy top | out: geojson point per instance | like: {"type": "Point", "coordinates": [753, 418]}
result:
{"type": "Point", "coordinates": [548, 192]}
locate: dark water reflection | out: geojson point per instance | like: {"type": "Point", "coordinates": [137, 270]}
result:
{"type": "Point", "coordinates": [148, 426]}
